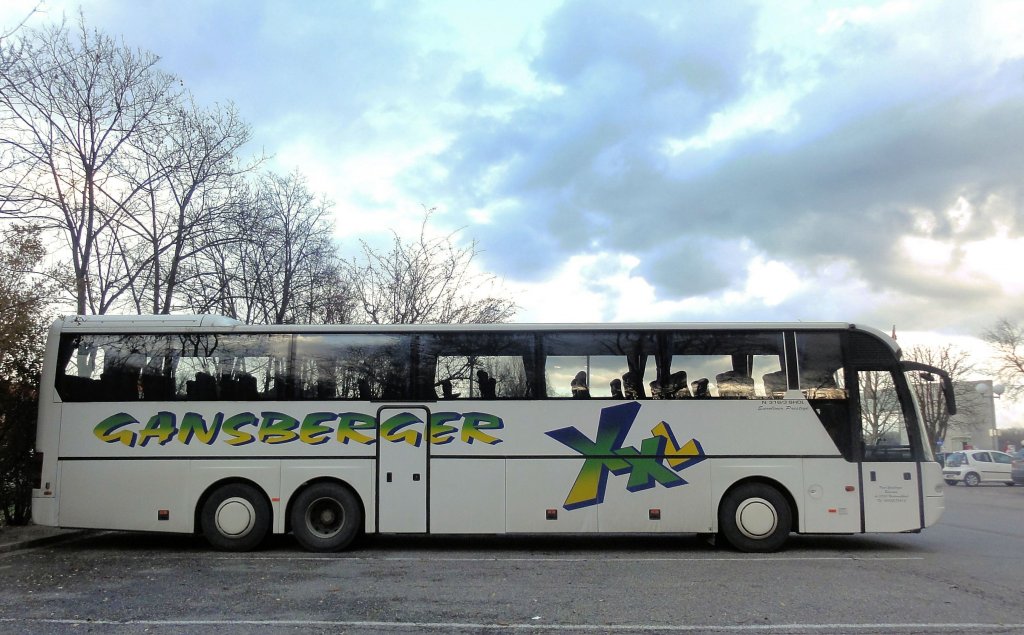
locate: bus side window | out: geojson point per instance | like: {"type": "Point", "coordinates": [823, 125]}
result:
{"type": "Point", "coordinates": [822, 380]}
{"type": "Point", "coordinates": [478, 365]}
{"type": "Point", "coordinates": [131, 363]}
{"type": "Point", "coordinates": [77, 376]}
{"type": "Point", "coordinates": [587, 365]}
{"type": "Point", "coordinates": [736, 360]}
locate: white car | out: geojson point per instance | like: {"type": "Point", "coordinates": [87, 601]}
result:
{"type": "Point", "coordinates": [977, 466]}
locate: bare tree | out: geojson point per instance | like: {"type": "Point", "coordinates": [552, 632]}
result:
{"type": "Point", "coordinates": [1007, 340]}
{"type": "Point", "coordinates": [283, 267]}
{"type": "Point", "coordinates": [928, 389]}
{"type": "Point", "coordinates": [189, 175]}
{"type": "Point", "coordinates": [71, 103]}
{"type": "Point", "coordinates": [21, 23]}
{"type": "Point", "coordinates": [426, 280]}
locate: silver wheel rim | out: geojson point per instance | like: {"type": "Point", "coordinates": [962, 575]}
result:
{"type": "Point", "coordinates": [756, 518]}
{"type": "Point", "coordinates": [235, 517]}
{"type": "Point", "coordinates": [325, 517]}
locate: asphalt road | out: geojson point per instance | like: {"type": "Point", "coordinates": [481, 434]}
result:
{"type": "Point", "coordinates": [965, 575]}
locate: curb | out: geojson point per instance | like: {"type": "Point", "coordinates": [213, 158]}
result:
{"type": "Point", "coordinates": [43, 541]}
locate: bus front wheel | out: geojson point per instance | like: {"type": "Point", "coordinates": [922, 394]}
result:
{"type": "Point", "coordinates": [235, 517]}
{"type": "Point", "coordinates": [326, 517]}
{"type": "Point", "coordinates": [755, 517]}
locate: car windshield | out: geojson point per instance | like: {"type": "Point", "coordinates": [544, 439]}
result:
{"type": "Point", "coordinates": [956, 459]}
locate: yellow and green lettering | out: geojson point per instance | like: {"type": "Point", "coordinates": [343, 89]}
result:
{"type": "Point", "coordinates": [278, 428]}
{"type": "Point", "coordinates": [440, 432]}
{"type": "Point", "coordinates": [392, 429]}
{"type": "Point", "coordinates": [232, 425]}
{"type": "Point", "coordinates": [475, 422]}
{"type": "Point", "coordinates": [108, 432]}
{"type": "Point", "coordinates": [194, 426]}
{"type": "Point", "coordinates": [312, 430]}
{"type": "Point", "coordinates": [350, 422]}
{"type": "Point", "coordinates": [161, 427]}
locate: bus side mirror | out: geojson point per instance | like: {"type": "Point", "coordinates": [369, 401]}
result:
{"type": "Point", "coordinates": [947, 390]}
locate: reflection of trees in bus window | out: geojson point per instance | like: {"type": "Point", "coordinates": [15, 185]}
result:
{"type": "Point", "coordinates": [113, 368]}
{"type": "Point", "coordinates": [476, 365]}
{"type": "Point", "coordinates": [881, 413]}
{"type": "Point", "coordinates": [353, 366]}
{"type": "Point", "coordinates": [480, 377]}
{"type": "Point", "coordinates": [233, 367]}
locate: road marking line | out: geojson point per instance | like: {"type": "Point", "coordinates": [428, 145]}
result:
{"type": "Point", "coordinates": [556, 559]}
{"type": "Point", "coordinates": [535, 626]}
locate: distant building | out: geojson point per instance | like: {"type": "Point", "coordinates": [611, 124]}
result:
{"type": "Point", "coordinates": [974, 424]}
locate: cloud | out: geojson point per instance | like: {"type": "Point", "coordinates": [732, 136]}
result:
{"type": "Point", "coordinates": [879, 128]}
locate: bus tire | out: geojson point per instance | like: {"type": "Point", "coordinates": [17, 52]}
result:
{"type": "Point", "coordinates": [971, 479]}
{"type": "Point", "coordinates": [235, 517]}
{"type": "Point", "coordinates": [755, 517]}
{"type": "Point", "coordinates": [326, 517]}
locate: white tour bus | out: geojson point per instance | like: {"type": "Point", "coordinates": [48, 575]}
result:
{"type": "Point", "coordinates": [747, 431]}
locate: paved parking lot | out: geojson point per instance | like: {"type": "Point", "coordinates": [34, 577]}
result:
{"type": "Point", "coordinates": [964, 575]}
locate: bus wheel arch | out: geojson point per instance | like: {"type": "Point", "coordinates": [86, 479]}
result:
{"type": "Point", "coordinates": [756, 515]}
{"type": "Point", "coordinates": [325, 515]}
{"type": "Point", "coordinates": [234, 515]}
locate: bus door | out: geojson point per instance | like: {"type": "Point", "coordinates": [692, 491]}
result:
{"type": "Point", "coordinates": [402, 448]}
{"type": "Point", "coordinates": [890, 479]}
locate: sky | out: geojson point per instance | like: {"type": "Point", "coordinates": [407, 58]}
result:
{"type": "Point", "coordinates": [653, 161]}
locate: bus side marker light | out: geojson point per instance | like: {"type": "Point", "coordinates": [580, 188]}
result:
{"type": "Point", "coordinates": [551, 514]}
{"type": "Point", "coordinates": [654, 514]}
{"type": "Point", "coordinates": [163, 514]}
{"type": "Point", "coordinates": [850, 488]}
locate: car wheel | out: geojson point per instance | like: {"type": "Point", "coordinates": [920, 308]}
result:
{"type": "Point", "coordinates": [235, 517]}
{"type": "Point", "coordinates": [971, 479]}
{"type": "Point", "coordinates": [755, 517]}
{"type": "Point", "coordinates": [950, 481]}
{"type": "Point", "coordinates": [326, 517]}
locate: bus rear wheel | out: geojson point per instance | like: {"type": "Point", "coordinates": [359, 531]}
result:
{"type": "Point", "coordinates": [235, 517]}
{"type": "Point", "coordinates": [755, 517]}
{"type": "Point", "coordinates": [326, 517]}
